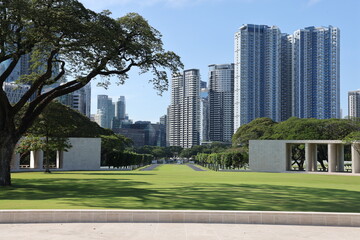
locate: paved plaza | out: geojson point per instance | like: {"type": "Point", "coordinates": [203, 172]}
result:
{"type": "Point", "coordinates": [173, 231]}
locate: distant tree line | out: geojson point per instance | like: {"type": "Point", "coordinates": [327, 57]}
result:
{"type": "Point", "coordinates": [233, 159]}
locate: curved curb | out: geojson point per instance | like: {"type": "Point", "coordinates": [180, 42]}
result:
{"type": "Point", "coordinates": [180, 216]}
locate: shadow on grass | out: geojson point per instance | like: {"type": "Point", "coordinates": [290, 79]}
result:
{"type": "Point", "coordinates": [125, 193]}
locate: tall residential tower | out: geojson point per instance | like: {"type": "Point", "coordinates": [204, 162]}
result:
{"type": "Point", "coordinates": [354, 104]}
{"type": "Point", "coordinates": [221, 102]}
{"type": "Point", "coordinates": [257, 73]}
{"type": "Point", "coordinates": [316, 72]}
{"type": "Point", "coordinates": [184, 110]}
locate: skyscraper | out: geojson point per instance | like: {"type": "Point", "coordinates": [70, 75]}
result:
{"type": "Point", "coordinates": [221, 102]}
{"type": "Point", "coordinates": [281, 75]}
{"type": "Point", "coordinates": [184, 110]}
{"type": "Point", "coordinates": [120, 108]}
{"type": "Point", "coordinates": [354, 104]}
{"type": "Point", "coordinates": [107, 108]}
{"type": "Point", "coordinates": [257, 73]}
{"type": "Point", "coordinates": [174, 110]}
{"type": "Point", "coordinates": [162, 128]}
{"type": "Point", "coordinates": [15, 89]}
{"type": "Point", "coordinates": [79, 100]}
{"type": "Point", "coordinates": [204, 112]}
{"type": "Point", "coordinates": [316, 72]}
{"type": "Point", "coordinates": [286, 92]}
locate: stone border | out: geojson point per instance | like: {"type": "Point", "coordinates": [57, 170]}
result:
{"type": "Point", "coordinates": [180, 216]}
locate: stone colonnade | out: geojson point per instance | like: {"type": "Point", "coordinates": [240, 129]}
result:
{"type": "Point", "coordinates": [36, 160]}
{"type": "Point", "coordinates": [335, 157]}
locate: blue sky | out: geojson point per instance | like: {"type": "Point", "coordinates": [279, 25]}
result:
{"type": "Point", "coordinates": [201, 33]}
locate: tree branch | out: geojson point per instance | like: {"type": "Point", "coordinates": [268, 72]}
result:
{"type": "Point", "coordinates": [37, 83]}
{"type": "Point", "coordinates": [9, 70]}
{"type": "Point", "coordinates": [107, 73]}
{"type": "Point", "coordinates": [5, 109]}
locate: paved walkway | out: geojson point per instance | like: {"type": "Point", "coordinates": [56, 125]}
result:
{"type": "Point", "coordinates": [149, 168]}
{"type": "Point", "coordinates": [195, 168]}
{"type": "Point", "coordinates": [173, 231]}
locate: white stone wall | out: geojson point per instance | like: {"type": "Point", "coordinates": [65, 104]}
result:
{"type": "Point", "coordinates": [84, 154]}
{"type": "Point", "coordinates": [274, 155]}
{"type": "Point", "coordinates": [267, 156]}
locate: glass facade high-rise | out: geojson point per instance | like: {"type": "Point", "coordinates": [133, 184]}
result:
{"type": "Point", "coordinates": [282, 75]}
{"type": "Point", "coordinates": [354, 104]}
{"type": "Point", "coordinates": [79, 100]}
{"type": "Point", "coordinates": [184, 110]}
{"type": "Point", "coordinates": [120, 108]}
{"type": "Point", "coordinates": [286, 93]}
{"type": "Point", "coordinates": [162, 128]}
{"type": "Point", "coordinates": [14, 88]}
{"type": "Point", "coordinates": [221, 102]}
{"type": "Point", "coordinates": [316, 72]}
{"type": "Point", "coordinates": [204, 112]}
{"type": "Point", "coordinates": [257, 73]}
{"type": "Point", "coordinates": [107, 109]}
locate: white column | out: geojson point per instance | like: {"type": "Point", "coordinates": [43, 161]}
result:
{"type": "Point", "coordinates": [15, 161]}
{"type": "Point", "coordinates": [355, 157]}
{"type": "Point", "coordinates": [315, 157]}
{"type": "Point", "coordinates": [309, 156]}
{"type": "Point", "coordinates": [36, 159]}
{"type": "Point", "coordinates": [32, 159]}
{"type": "Point", "coordinates": [59, 158]}
{"type": "Point", "coordinates": [340, 157]}
{"type": "Point", "coordinates": [331, 157]}
{"type": "Point", "coordinates": [288, 156]}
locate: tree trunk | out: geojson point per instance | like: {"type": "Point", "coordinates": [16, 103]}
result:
{"type": "Point", "coordinates": [7, 147]}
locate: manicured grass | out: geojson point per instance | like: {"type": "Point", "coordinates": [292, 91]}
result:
{"type": "Point", "coordinates": [179, 187]}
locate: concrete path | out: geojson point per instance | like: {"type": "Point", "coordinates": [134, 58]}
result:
{"type": "Point", "coordinates": [195, 168]}
{"type": "Point", "coordinates": [173, 231]}
{"type": "Point", "coordinates": [149, 168]}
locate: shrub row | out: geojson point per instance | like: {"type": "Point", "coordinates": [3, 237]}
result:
{"type": "Point", "coordinates": [126, 159]}
{"type": "Point", "coordinates": [223, 160]}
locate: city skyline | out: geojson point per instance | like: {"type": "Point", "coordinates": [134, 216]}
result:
{"type": "Point", "coordinates": [200, 50]}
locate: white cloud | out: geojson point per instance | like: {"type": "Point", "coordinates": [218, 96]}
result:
{"type": "Point", "coordinates": [313, 2]}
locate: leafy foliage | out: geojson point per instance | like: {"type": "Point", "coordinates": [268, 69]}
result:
{"type": "Point", "coordinates": [225, 160]}
{"type": "Point", "coordinates": [127, 159]}
{"type": "Point", "coordinates": [253, 130]}
{"type": "Point", "coordinates": [63, 38]}
{"type": "Point", "coordinates": [112, 144]}
{"type": "Point", "coordinates": [159, 152]}
{"type": "Point", "coordinates": [62, 121]}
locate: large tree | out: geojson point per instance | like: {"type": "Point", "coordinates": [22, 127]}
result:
{"type": "Point", "coordinates": [62, 37]}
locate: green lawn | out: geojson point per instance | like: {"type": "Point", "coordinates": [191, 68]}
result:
{"type": "Point", "coordinates": [179, 187]}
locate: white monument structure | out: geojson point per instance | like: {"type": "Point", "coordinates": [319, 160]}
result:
{"type": "Point", "coordinates": [83, 155]}
{"type": "Point", "coordinates": [275, 155]}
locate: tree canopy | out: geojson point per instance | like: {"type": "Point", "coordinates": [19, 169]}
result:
{"type": "Point", "coordinates": [295, 129]}
{"type": "Point", "coordinates": [253, 130]}
{"type": "Point", "coordinates": [299, 129]}
{"type": "Point", "coordinates": [63, 38]}
{"type": "Point", "coordinates": [63, 121]}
